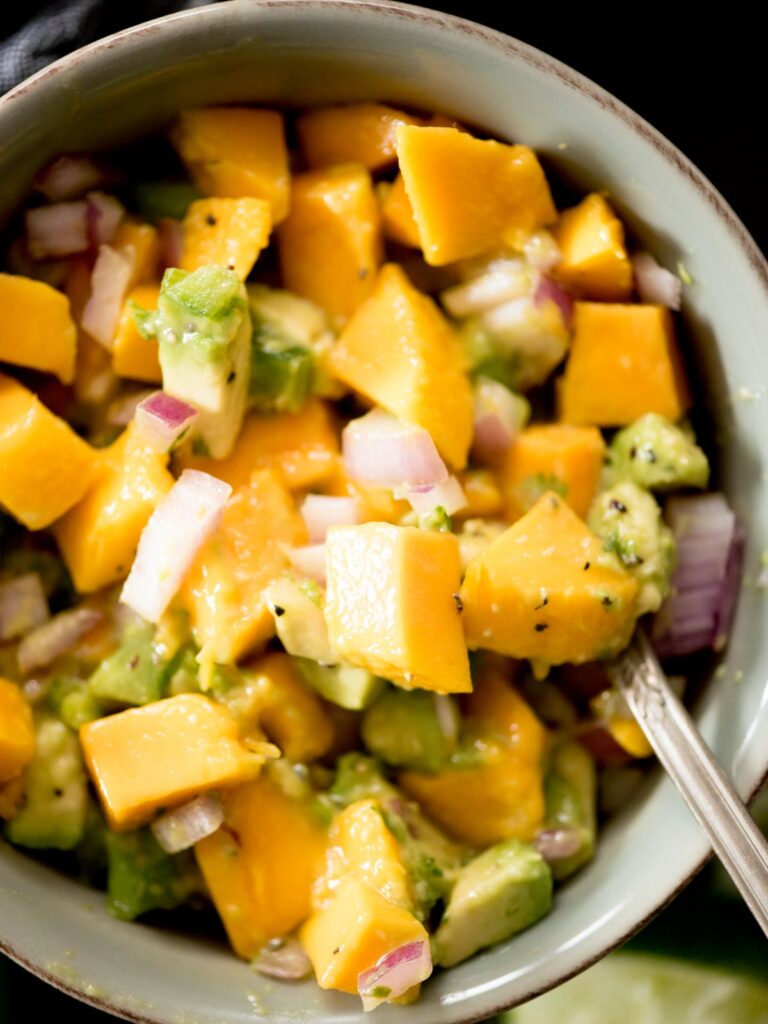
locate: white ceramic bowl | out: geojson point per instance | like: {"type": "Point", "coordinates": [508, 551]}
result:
{"type": "Point", "coordinates": [318, 51]}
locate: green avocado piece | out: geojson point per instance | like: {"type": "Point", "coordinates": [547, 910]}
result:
{"type": "Point", "coordinates": [135, 674]}
{"type": "Point", "coordinates": [297, 608]}
{"type": "Point", "coordinates": [501, 892]}
{"type": "Point", "coordinates": [56, 800]}
{"type": "Point", "coordinates": [155, 200]}
{"type": "Point", "coordinates": [141, 876]}
{"type": "Point", "coordinates": [629, 521]}
{"type": "Point", "coordinates": [570, 794]}
{"type": "Point", "coordinates": [346, 685]}
{"type": "Point", "coordinates": [71, 700]}
{"type": "Point", "coordinates": [203, 328]}
{"type": "Point", "coordinates": [656, 454]}
{"type": "Point", "coordinates": [403, 728]}
{"type": "Point", "coordinates": [281, 376]}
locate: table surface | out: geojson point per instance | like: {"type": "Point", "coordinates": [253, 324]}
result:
{"type": "Point", "coordinates": [700, 84]}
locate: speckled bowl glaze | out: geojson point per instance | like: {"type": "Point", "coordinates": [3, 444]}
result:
{"type": "Point", "coordinates": [318, 51]}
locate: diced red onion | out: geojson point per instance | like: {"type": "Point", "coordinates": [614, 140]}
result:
{"type": "Point", "coordinates": [654, 284]}
{"type": "Point", "coordinates": [19, 261]}
{"type": "Point", "coordinates": [123, 409]}
{"type": "Point", "coordinates": [504, 280]}
{"type": "Point", "coordinates": [23, 605]}
{"type": "Point", "coordinates": [58, 230]}
{"type": "Point", "coordinates": [184, 826]}
{"type": "Point", "coordinates": [105, 214]}
{"type": "Point", "coordinates": [284, 959]}
{"type": "Point", "coordinates": [500, 415]}
{"type": "Point", "coordinates": [55, 637]}
{"type": "Point", "coordinates": [110, 281]}
{"type": "Point", "coordinates": [448, 495]}
{"type": "Point", "coordinates": [321, 511]}
{"type": "Point", "coordinates": [171, 241]}
{"type": "Point", "coordinates": [309, 560]}
{"type": "Point", "coordinates": [698, 612]}
{"type": "Point", "coordinates": [395, 972]}
{"type": "Point", "coordinates": [547, 290]}
{"type": "Point", "coordinates": [163, 419]}
{"type": "Point", "coordinates": [558, 843]}
{"type": "Point", "coordinates": [180, 524]}
{"type": "Point", "coordinates": [380, 449]}
{"type": "Point", "coordinates": [541, 250]}
{"type": "Point", "coordinates": [68, 178]}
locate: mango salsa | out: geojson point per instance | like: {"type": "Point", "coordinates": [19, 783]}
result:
{"type": "Point", "coordinates": [38, 330]}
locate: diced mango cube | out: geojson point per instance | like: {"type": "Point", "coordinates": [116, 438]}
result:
{"type": "Point", "coordinates": [99, 536]}
{"type": "Point", "coordinates": [45, 468]}
{"type": "Point", "coordinates": [594, 258]}
{"type": "Point", "coordinates": [353, 931]}
{"type": "Point", "coordinates": [483, 493]}
{"type": "Point", "coordinates": [400, 352]}
{"type": "Point", "coordinates": [236, 151]}
{"type": "Point", "coordinates": [223, 589]}
{"type": "Point", "coordinates": [497, 707]}
{"type": "Point", "coordinates": [301, 447]}
{"type": "Point", "coordinates": [17, 731]}
{"type": "Point", "coordinates": [133, 355]}
{"type": "Point", "coordinates": [330, 244]}
{"type": "Point", "coordinates": [141, 243]}
{"type": "Point", "coordinates": [391, 608]}
{"type": "Point", "coordinates": [553, 457]}
{"type": "Point", "coordinates": [38, 330]}
{"type": "Point", "coordinates": [227, 232]}
{"type": "Point", "coordinates": [470, 196]}
{"type": "Point", "coordinates": [361, 133]}
{"type": "Point", "coordinates": [162, 754]}
{"type": "Point", "coordinates": [546, 590]}
{"type": "Point", "coordinates": [397, 213]}
{"type": "Point", "coordinates": [624, 362]}
{"type": "Point", "coordinates": [259, 868]}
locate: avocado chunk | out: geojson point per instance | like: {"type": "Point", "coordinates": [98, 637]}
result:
{"type": "Point", "coordinates": [155, 200]}
{"type": "Point", "coordinates": [501, 892]}
{"type": "Point", "coordinates": [654, 453]}
{"type": "Point", "coordinates": [71, 700]}
{"type": "Point", "coordinates": [346, 685]}
{"type": "Point", "coordinates": [570, 795]}
{"type": "Point", "coordinates": [203, 328]}
{"type": "Point", "coordinates": [629, 520]}
{"type": "Point", "coordinates": [281, 376]}
{"type": "Point", "coordinates": [141, 876]}
{"type": "Point", "coordinates": [297, 608]}
{"type": "Point", "coordinates": [56, 799]}
{"type": "Point", "coordinates": [135, 674]}
{"type": "Point", "coordinates": [410, 729]}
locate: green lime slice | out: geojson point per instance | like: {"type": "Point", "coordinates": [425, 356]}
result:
{"type": "Point", "coordinates": [639, 989]}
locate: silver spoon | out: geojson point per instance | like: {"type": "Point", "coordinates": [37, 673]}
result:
{"type": "Point", "coordinates": [704, 786]}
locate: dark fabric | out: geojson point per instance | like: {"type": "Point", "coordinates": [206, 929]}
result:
{"type": "Point", "coordinates": [61, 26]}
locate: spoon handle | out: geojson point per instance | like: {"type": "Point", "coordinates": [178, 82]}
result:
{"type": "Point", "coordinates": [705, 787]}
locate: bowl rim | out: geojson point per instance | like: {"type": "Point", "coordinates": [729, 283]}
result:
{"type": "Point", "coordinates": [508, 45]}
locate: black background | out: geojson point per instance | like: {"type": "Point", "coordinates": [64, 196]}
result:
{"type": "Point", "coordinates": [701, 82]}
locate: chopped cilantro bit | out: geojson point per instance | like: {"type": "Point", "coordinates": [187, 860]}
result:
{"type": "Point", "coordinates": [437, 520]}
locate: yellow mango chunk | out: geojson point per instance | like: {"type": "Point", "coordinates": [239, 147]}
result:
{"type": "Point", "coordinates": [141, 243]}
{"type": "Point", "coordinates": [99, 536]}
{"type": "Point", "coordinates": [133, 355]}
{"type": "Point", "coordinates": [228, 232]}
{"type": "Point", "coordinates": [11, 797]}
{"type": "Point", "coordinates": [45, 468]}
{"type": "Point", "coordinates": [483, 494]}
{"type": "Point", "coordinates": [353, 931]}
{"type": "Point", "coordinates": [223, 589]}
{"type": "Point", "coordinates": [301, 447]}
{"type": "Point", "coordinates": [376, 504]}
{"type": "Point", "coordinates": [630, 737]}
{"type": "Point", "coordinates": [361, 133]}
{"type": "Point", "coordinates": [400, 352]}
{"type": "Point", "coordinates": [163, 754]}
{"type": "Point", "coordinates": [38, 330]}
{"type": "Point", "coordinates": [17, 731]}
{"type": "Point", "coordinates": [498, 709]}
{"type": "Point", "coordinates": [330, 244]}
{"type": "Point", "coordinates": [470, 196]}
{"type": "Point", "coordinates": [360, 844]}
{"type": "Point", "coordinates": [624, 362]}
{"type": "Point", "coordinates": [499, 798]}
{"type": "Point", "coordinates": [553, 456]}
{"type": "Point", "coordinates": [546, 590]}
{"type": "Point", "coordinates": [291, 714]}
{"type": "Point", "coordinates": [260, 866]}
{"type": "Point", "coordinates": [234, 152]}
{"type": "Point", "coordinates": [594, 259]}
{"type": "Point", "coordinates": [397, 214]}
{"type": "Point", "coordinates": [390, 605]}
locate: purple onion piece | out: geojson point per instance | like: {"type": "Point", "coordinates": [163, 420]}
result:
{"type": "Point", "coordinates": [558, 843]}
